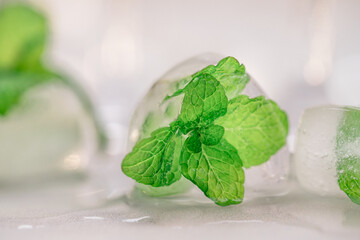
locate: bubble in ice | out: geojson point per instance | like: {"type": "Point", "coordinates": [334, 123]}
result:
{"type": "Point", "coordinates": [327, 155]}
{"type": "Point", "coordinates": [267, 179]}
{"type": "Point", "coordinates": [49, 133]}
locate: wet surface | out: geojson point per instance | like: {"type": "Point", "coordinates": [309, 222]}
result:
{"type": "Point", "coordinates": [62, 211]}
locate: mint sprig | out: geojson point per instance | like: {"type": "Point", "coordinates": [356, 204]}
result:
{"type": "Point", "coordinates": [159, 159]}
{"type": "Point", "coordinates": [256, 127]}
{"type": "Point", "coordinates": [204, 143]}
{"type": "Point", "coordinates": [216, 170]}
{"type": "Point", "coordinates": [23, 36]}
{"type": "Point", "coordinates": [14, 84]}
{"type": "Point", "coordinates": [348, 158]}
{"type": "Point", "coordinates": [204, 101]}
{"type": "Point", "coordinates": [229, 72]}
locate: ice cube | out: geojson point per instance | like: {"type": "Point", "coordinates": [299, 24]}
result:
{"type": "Point", "coordinates": [327, 150]}
{"type": "Point", "coordinates": [267, 179]}
{"type": "Point", "coordinates": [47, 134]}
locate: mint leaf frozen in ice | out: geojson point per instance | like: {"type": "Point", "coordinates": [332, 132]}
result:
{"type": "Point", "coordinates": [256, 127]}
{"type": "Point", "coordinates": [222, 136]}
{"type": "Point", "coordinates": [204, 101]}
{"type": "Point", "coordinates": [155, 160]}
{"type": "Point", "coordinates": [216, 170]}
{"type": "Point", "coordinates": [348, 155]}
{"type": "Point", "coordinates": [23, 35]}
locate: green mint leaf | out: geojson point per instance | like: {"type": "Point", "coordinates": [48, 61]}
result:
{"type": "Point", "coordinates": [211, 135]}
{"type": "Point", "coordinates": [171, 110]}
{"type": "Point", "coordinates": [256, 127]}
{"type": "Point", "coordinates": [204, 101]}
{"type": "Point", "coordinates": [231, 74]}
{"type": "Point", "coordinates": [155, 160]}
{"type": "Point", "coordinates": [23, 36]}
{"type": "Point", "coordinates": [193, 142]}
{"type": "Point", "coordinates": [23, 33]}
{"type": "Point", "coordinates": [216, 170]}
{"type": "Point", "coordinates": [13, 85]}
{"type": "Point", "coordinates": [175, 94]}
{"type": "Point", "coordinates": [348, 157]}
{"type": "Point", "coordinates": [179, 86]}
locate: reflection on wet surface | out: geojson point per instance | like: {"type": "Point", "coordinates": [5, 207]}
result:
{"type": "Point", "coordinates": [57, 211]}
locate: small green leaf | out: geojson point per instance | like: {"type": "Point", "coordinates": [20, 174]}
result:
{"type": "Point", "coordinates": [13, 85]}
{"type": "Point", "coordinates": [216, 170]}
{"type": "Point", "coordinates": [231, 74]}
{"type": "Point", "coordinates": [348, 157]}
{"type": "Point", "coordinates": [23, 33]}
{"type": "Point", "coordinates": [256, 127]}
{"type": "Point", "coordinates": [179, 86]}
{"type": "Point", "coordinates": [175, 94]}
{"type": "Point", "coordinates": [171, 110]}
{"type": "Point", "coordinates": [193, 142]}
{"type": "Point", "coordinates": [155, 160]}
{"type": "Point", "coordinates": [204, 101]}
{"type": "Point", "coordinates": [23, 36]}
{"type": "Point", "coordinates": [211, 135]}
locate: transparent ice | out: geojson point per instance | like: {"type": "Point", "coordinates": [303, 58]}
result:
{"type": "Point", "coordinates": [48, 134]}
{"type": "Point", "coordinates": [267, 179]}
{"type": "Point", "coordinates": [315, 156]}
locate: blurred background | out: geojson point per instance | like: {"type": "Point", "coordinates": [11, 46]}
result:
{"type": "Point", "coordinates": [302, 53]}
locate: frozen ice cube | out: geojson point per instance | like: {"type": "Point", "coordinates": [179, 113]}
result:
{"type": "Point", "coordinates": [47, 134]}
{"type": "Point", "coordinates": [327, 150]}
{"type": "Point", "coordinates": [267, 179]}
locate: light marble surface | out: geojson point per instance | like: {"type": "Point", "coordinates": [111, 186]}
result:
{"type": "Point", "coordinates": [62, 211]}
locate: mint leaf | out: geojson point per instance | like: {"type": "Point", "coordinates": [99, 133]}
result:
{"type": "Point", "coordinates": [175, 94]}
{"type": "Point", "coordinates": [23, 36]}
{"type": "Point", "coordinates": [256, 127]}
{"type": "Point", "coordinates": [231, 74]}
{"type": "Point", "coordinates": [23, 33]}
{"type": "Point", "coordinates": [204, 101]}
{"type": "Point", "coordinates": [179, 86]}
{"type": "Point", "coordinates": [155, 160]}
{"type": "Point", "coordinates": [216, 170]}
{"type": "Point", "coordinates": [13, 85]}
{"type": "Point", "coordinates": [348, 157]}
{"type": "Point", "coordinates": [193, 142]}
{"type": "Point", "coordinates": [211, 135]}
{"type": "Point", "coordinates": [22, 41]}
